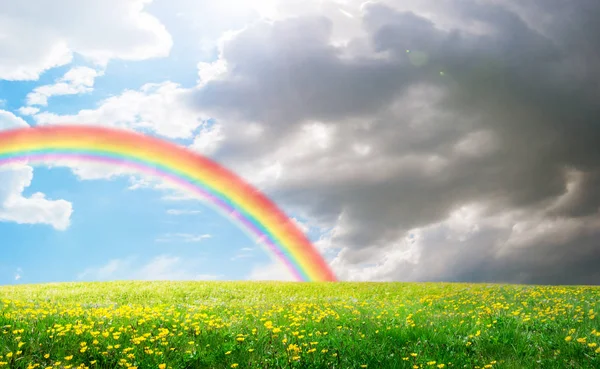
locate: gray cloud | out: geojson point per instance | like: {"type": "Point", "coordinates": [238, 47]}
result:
{"type": "Point", "coordinates": [501, 112]}
{"type": "Point", "coordinates": [287, 72]}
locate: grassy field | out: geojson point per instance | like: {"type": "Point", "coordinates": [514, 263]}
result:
{"type": "Point", "coordinates": [298, 325]}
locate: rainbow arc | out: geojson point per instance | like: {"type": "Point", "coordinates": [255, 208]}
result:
{"type": "Point", "coordinates": [236, 199]}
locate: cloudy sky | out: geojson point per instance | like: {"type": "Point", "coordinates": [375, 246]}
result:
{"type": "Point", "coordinates": [413, 140]}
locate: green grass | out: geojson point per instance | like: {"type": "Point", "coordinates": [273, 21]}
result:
{"type": "Point", "coordinates": [298, 325]}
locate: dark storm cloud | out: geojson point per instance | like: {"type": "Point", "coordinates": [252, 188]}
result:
{"type": "Point", "coordinates": [573, 263]}
{"type": "Point", "coordinates": [527, 85]}
{"type": "Point", "coordinates": [287, 72]}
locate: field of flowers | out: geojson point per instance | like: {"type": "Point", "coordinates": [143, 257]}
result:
{"type": "Point", "coordinates": [298, 325]}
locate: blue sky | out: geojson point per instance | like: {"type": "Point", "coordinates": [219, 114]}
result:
{"type": "Point", "coordinates": [111, 222]}
{"type": "Point", "coordinates": [116, 232]}
{"type": "Point", "coordinates": [485, 172]}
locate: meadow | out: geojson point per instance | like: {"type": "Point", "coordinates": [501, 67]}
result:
{"type": "Point", "coordinates": [176, 325]}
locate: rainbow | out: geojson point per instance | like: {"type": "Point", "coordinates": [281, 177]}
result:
{"type": "Point", "coordinates": [246, 206]}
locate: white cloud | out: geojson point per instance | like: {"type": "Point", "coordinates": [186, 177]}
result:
{"type": "Point", "coordinates": [274, 271]}
{"type": "Point", "coordinates": [105, 272]}
{"type": "Point", "coordinates": [171, 192]}
{"type": "Point", "coordinates": [10, 121]}
{"type": "Point", "coordinates": [182, 238]}
{"type": "Point", "coordinates": [162, 267]}
{"type": "Point", "coordinates": [18, 274]}
{"type": "Point", "coordinates": [15, 178]}
{"type": "Point", "coordinates": [49, 33]}
{"type": "Point", "coordinates": [208, 140]}
{"type": "Point", "coordinates": [77, 80]}
{"type": "Point", "coordinates": [244, 253]}
{"type": "Point", "coordinates": [241, 256]}
{"type": "Point", "coordinates": [28, 110]}
{"type": "Point", "coordinates": [180, 196]}
{"type": "Point", "coordinates": [301, 225]}
{"type": "Point", "coordinates": [35, 209]}
{"type": "Point", "coordinates": [93, 171]}
{"type": "Point", "coordinates": [183, 212]}
{"type": "Point", "coordinates": [157, 107]}
{"type": "Point", "coordinates": [211, 71]}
